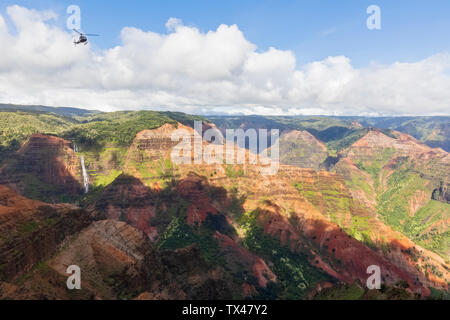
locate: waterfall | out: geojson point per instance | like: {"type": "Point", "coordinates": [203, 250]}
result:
{"type": "Point", "coordinates": [85, 176]}
{"type": "Point", "coordinates": [83, 167]}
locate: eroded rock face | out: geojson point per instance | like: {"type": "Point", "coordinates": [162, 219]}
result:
{"type": "Point", "coordinates": [156, 143]}
{"type": "Point", "coordinates": [304, 210]}
{"type": "Point", "coordinates": [45, 168]}
{"type": "Point", "coordinates": [328, 247]}
{"type": "Point", "coordinates": [241, 259]}
{"type": "Point", "coordinates": [442, 193]}
{"type": "Point", "coordinates": [302, 149]}
{"type": "Point", "coordinates": [433, 164]}
{"type": "Point", "coordinates": [128, 199]}
{"type": "Point", "coordinates": [306, 194]}
{"type": "Point", "coordinates": [300, 218]}
{"type": "Point", "coordinates": [397, 178]}
{"type": "Point", "coordinates": [31, 231]}
{"type": "Point", "coordinates": [118, 261]}
{"type": "Point", "coordinates": [113, 256]}
{"type": "Point", "coordinates": [403, 143]}
{"type": "Point", "coordinates": [197, 191]}
{"type": "Point", "coordinates": [194, 278]}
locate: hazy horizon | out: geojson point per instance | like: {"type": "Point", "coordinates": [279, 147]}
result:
{"type": "Point", "coordinates": [224, 114]}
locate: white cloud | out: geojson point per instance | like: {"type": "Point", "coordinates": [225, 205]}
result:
{"type": "Point", "coordinates": [192, 71]}
{"type": "Point", "coordinates": [173, 23]}
{"type": "Point", "coordinates": [328, 32]}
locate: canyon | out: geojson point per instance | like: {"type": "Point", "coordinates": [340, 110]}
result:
{"type": "Point", "coordinates": [142, 227]}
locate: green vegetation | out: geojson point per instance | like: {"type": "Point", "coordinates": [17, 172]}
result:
{"type": "Point", "coordinates": [399, 187]}
{"type": "Point", "coordinates": [421, 229]}
{"type": "Point", "coordinates": [310, 123]}
{"type": "Point", "coordinates": [177, 235]}
{"type": "Point", "coordinates": [337, 203]}
{"type": "Point", "coordinates": [434, 131]}
{"type": "Point", "coordinates": [392, 204]}
{"type": "Point", "coordinates": [438, 295]}
{"type": "Point", "coordinates": [342, 292]}
{"type": "Point", "coordinates": [104, 140]}
{"type": "Point", "coordinates": [295, 274]}
{"type": "Point", "coordinates": [84, 128]}
{"type": "Point", "coordinates": [373, 166]}
{"type": "Point", "coordinates": [233, 173]}
{"type": "Point", "coordinates": [356, 292]}
{"type": "Point", "coordinates": [17, 127]}
{"type": "Point", "coordinates": [235, 206]}
{"type": "Point", "coordinates": [180, 235]}
{"type": "Point", "coordinates": [48, 217]}
{"type": "Point", "coordinates": [107, 179]}
{"type": "Point", "coordinates": [38, 190]}
{"type": "Point", "coordinates": [40, 267]}
{"type": "Point", "coordinates": [359, 183]}
{"type": "Point", "coordinates": [361, 231]}
{"type": "Point", "coordinates": [151, 171]}
{"type": "Point", "coordinates": [329, 198]}
{"type": "Point", "coordinates": [337, 143]}
{"type": "Point", "coordinates": [120, 128]}
{"type": "Point", "coordinates": [117, 128]}
{"type": "Point", "coordinates": [336, 133]}
{"type": "Point", "coordinates": [28, 227]}
{"type": "Point", "coordinates": [339, 132]}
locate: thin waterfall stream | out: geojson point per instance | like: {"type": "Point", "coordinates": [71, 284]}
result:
{"type": "Point", "coordinates": [83, 169]}
{"type": "Point", "coordinates": [85, 176]}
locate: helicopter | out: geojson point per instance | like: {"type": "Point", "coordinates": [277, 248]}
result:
{"type": "Point", "coordinates": [83, 37]}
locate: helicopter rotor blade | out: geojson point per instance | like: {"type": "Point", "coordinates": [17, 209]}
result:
{"type": "Point", "coordinates": [91, 35]}
{"type": "Point", "coordinates": [80, 33]}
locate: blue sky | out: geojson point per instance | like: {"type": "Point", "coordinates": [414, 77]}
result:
{"type": "Point", "coordinates": [282, 57]}
{"type": "Point", "coordinates": [411, 30]}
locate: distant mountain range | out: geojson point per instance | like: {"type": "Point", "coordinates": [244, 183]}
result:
{"type": "Point", "coordinates": [63, 111]}
{"type": "Point", "coordinates": [351, 192]}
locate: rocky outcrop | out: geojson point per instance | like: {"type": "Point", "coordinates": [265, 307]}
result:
{"type": "Point", "coordinates": [31, 231]}
{"type": "Point", "coordinates": [197, 191]}
{"type": "Point", "coordinates": [114, 257]}
{"type": "Point", "coordinates": [128, 199]}
{"type": "Point", "coordinates": [118, 261]}
{"type": "Point", "coordinates": [45, 168]}
{"type": "Point", "coordinates": [324, 222]}
{"type": "Point", "coordinates": [397, 178]}
{"type": "Point", "coordinates": [241, 259]}
{"type": "Point", "coordinates": [306, 217]}
{"type": "Point", "coordinates": [321, 203]}
{"type": "Point", "coordinates": [442, 193]}
{"type": "Point", "coordinates": [403, 143]}
{"type": "Point", "coordinates": [194, 278]}
{"type": "Point", "coordinates": [327, 245]}
{"type": "Point", "coordinates": [302, 149]}
{"type": "Point", "coordinates": [156, 143]}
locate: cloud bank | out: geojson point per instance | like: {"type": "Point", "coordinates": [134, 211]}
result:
{"type": "Point", "coordinates": [219, 71]}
